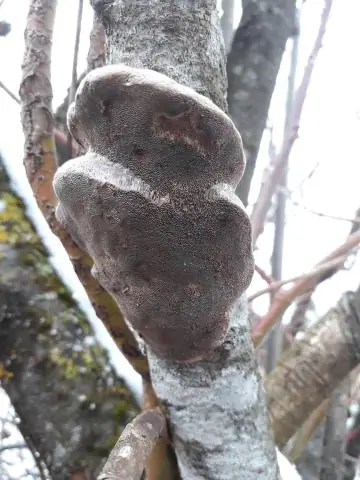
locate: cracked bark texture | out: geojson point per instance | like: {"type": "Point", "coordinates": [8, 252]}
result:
{"type": "Point", "coordinates": [216, 408]}
{"type": "Point", "coordinates": [252, 67]}
{"type": "Point", "coordinates": [70, 403]}
{"type": "Point", "coordinates": [313, 367]}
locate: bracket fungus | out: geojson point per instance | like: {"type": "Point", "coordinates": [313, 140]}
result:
{"type": "Point", "coordinates": [153, 203]}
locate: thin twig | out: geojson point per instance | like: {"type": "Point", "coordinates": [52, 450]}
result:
{"type": "Point", "coordinates": [74, 77]}
{"type": "Point", "coordinates": [272, 176]}
{"type": "Point", "coordinates": [322, 268]}
{"type": "Point", "coordinates": [9, 92]}
{"type": "Point", "coordinates": [58, 134]}
{"type": "Point", "coordinates": [128, 458]}
{"type": "Point", "coordinates": [265, 276]}
{"type": "Point", "coordinates": [12, 446]}
{"type": "Point", "coordinates": [284, 298]}
{"type": "Point", "coordinates": [334, 443]}
{"type": "Point", "coordinates": [305, 300]}
{"type": "Point", "coordinates": [317, 212]}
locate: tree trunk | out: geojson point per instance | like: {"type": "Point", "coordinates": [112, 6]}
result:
{"type": "Point", "coordinates": [216, 408]}
{"type": "Point", "coordinates": [313, 367]}
{"type": "Point", "coordinates": [71, 405]}
{"type": "Point", "coordinates": [227, 22]}
{"type": "Point", "coordinates": [253, 65]}
{"type": "Point", "coordinates": [333, 455]}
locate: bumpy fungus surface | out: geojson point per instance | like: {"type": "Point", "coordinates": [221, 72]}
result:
{"type": "Point", "coordinates": [153, 203]}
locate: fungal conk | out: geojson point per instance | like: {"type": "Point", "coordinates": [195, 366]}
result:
{"type": "Point", "coordinates": [153, 203]}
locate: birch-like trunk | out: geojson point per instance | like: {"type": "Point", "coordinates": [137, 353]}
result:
{"type": "Point", "coordinates": [216, 408]}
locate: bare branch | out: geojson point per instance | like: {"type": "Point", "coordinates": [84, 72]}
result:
{"type": "Point", "coordinates": [331, 216]}
{"type": "Point", "coordinates": [9, 92]}
{"type": "Point", "coordinates": [323, 267]}
{"type": "Point", "coordinates": [12, 446]}
{"type": "Point", "coordinates": [252, 68]}
{"type": "Point", "coordinates": [273, 176]}
{"type": "Point", "coordinates": [128, 458]}
{"type": "Point", "coordinates": [265, 276]}
{"type": "Point", "coordinates": [284, 298]}
{"type": "Point", "coordinates": [40, 163]}
{"type": "Point", "coordinates": [303, 303]}
{"type": "Point", "coordinates": [332, 461]}
{"type": "Point", "coordinates": [74, 76]}
{"type": "Point", "coordinates": [96, 54]}
{"type": "Point", "coordinates": [227, 22]}
{"type": "Point", "coordinates": [313, 367]}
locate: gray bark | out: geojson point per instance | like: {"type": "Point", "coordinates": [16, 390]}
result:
{"type": "Point", "coordinates": [333, 455]}
{"type": "Point", "coordinates": [253, 66]}
{"type": "Point", "coordinates": [128, 458]}
{"type": "Point", "coordinates": [313, 367]}
{"type": "Point", "coordinates": [70, 403]}
{"type": "Point", "coordinates": [216, 408]}
{"type": "Point", "coordinates": [227, 22]}
{"type": "Point", "coordinates": [308, 464]}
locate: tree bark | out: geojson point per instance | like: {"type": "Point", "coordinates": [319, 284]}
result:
{"type": "Point", "coordinates": [333, 455]}
{"type": "Point", "coordinates": [313, 367]}
{"type": "Point", "coordinates": [253, 65]}
{"type": "Point", "coordinates": [227, 22]}
{"type": "Point", "coordinates": [216, 408]}
{"type": "Point", "coordinates": [71, 405]}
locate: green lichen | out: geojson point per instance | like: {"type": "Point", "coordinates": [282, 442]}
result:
{"type": "Point", "coordinates": [68, 367]}
{"type": "Point", "coordinates": [17, 231]}
{"type": "Point", "coordinates": [15, 228]}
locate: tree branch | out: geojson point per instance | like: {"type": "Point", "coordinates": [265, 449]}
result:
{"type": "Point", "coordinates": [283, 298]}
{"type": "Point", "coordinates": [74, 75]}
{"type": "Point", "coordinates": [252, 68]}
{"type": "Point", "coordinates": [128, 458]}
{"type": "Point", "coordinates": [96, 55]}
{"type": "Point", "coordinates": [40, 163]}
{"type": "Point", "coordinates": [333, 455]}
{"type": "Point", "coordinates": [315, 272]}
{"type": "Point", "coordinates": [313, 367]}
{"type": "Point", "coordinates": [272, 177]}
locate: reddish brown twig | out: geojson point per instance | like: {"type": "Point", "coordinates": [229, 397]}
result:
{"type": "Point", "coordinates": [284, 298]}
{"type": "Point", "coordinates": [38, 125]}
{"type": "Point", "coordinates": [272, 176]}
{"type": "Point", "coordinates": [265, 276]}
{"type": "Point", "coordinates": [320, 269]}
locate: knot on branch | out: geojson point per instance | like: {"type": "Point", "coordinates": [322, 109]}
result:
{"type": "Point", "coordinates": [153, 203]}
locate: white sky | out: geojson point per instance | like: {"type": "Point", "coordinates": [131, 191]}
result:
{"type": "Point", "coordinates": [328, 135]}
